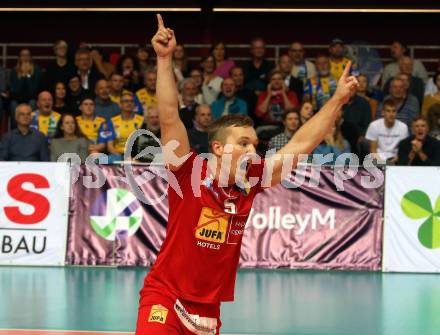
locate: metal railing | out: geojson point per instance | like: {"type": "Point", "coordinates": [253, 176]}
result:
{"type": "Point", "coordinates": [9, 51]}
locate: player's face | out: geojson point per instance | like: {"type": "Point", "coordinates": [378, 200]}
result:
{"type": "Point", "coordinates": [244, 141]}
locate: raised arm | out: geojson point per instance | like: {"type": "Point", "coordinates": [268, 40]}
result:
{"type": "Point", "coordinates": [315, 130]}
{"type": "Point", "coordinates": [171, 127]}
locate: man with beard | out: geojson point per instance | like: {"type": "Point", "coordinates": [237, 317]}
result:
{"type": "Point", "coordinates": [337, 59]}
{"type": "Point", "coordinates": [319, 89]}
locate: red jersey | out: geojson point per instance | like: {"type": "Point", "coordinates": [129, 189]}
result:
{"type": "Point", "coordinates": [199, 258]}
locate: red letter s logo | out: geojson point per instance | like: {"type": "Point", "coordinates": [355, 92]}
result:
{"type": "Point", "coordinates": [38, 201]}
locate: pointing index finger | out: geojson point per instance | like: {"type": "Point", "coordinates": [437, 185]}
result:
{"type": "Point", "coordinates": [347, 70]}
{"type": "Point", "coordinates": [160, 21]}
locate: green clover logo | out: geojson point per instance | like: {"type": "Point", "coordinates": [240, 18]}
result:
{"type": "Point", "coordinates": [416, 205]}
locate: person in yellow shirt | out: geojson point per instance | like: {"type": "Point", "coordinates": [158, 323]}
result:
{"type": "Point", "coordinates": [122, 126]}
{"type": "Point", "coordinates": [45, 119]}
{"type": "Point", "coordinates": [147, 95]}
{"type": "Point", "coordinates": [94, 128]}
{"type": "Point", "coordinates": [337, 59]}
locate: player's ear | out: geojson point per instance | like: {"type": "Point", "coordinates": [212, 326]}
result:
{"type": "Point", "coordinates": [217, 148]}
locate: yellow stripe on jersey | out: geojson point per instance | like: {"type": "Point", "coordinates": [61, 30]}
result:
{"type": "Point", "coordinates": [90, 128]}
{"type": "Point", "coordinates": [336, 69]}
{"type": "Point", "coordinates": [123, 129]}
{"type": "Point", "coordinates": [146, 99]}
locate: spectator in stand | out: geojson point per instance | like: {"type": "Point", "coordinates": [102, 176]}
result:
{"type": "Point", "coordinates": [198, 136]}
{"type": "Point", "coordinates": [68, 139]}
{"type": "Point", "coordinates": [337, 59]}
{"type": "Point", "coordinates": [399, 50]}
{"type": "Point", "coordinates": [364, 92]}
{"type": "Point", "coordinates": [431, 87]}
{"type": "Point", "coordinates": [293, 84]}
{"type": "Point", "coordinates": [75, 91]}
{"type": "Point", "coordinates": [257, 69]}
{"type": "Point", "coordinates": [143, 58]}
{"type": "Point", "coordinates": [211, 86]}
{"type": "Point", "coordinates": [61, 104]}
{"type": "Point", "coordinates": [129, 68]}
{"type": "Point", "coordinates": [25, 82]}
{"type": "Point", "coordinates": [147, 95]}
{"type": "Point", "coordinates": [150, 141]}
{"type": "Point", "coordinates": [197, 76]}
{"type": "Point", "coordinates": [306, 112]}
{"type": "Point", "coordinates": [223, 65]}
{"type": "Point", "coordinates": [334, 144]}
{"type": "Point", "coordinates": [116, 87]}
{"type": "Point", "coordinates": [302, 69]}
{"type": "Point", "coordinates": [3, 92]}
{"type": "Point", "coordinates": [122, 126]}
{"type": "Point", "coordinates": [385, 134]}
{"type": "Point", "coordinates": [181, 67]}
{"type": "Point", "coordinates": [356, 118]}
{"type": "Point", "coordinates": [100, 60]}
{"type": "Point", "coordinates": [419, 149]}
{"type": "Point", "coordinates": [242, 92]}
{"type": "Point", "coordinates": [416, 86]}
{"type": "Point", "coordinates": [94, 128]}
{"type": "Point", "coordinates": [45, 119]}
{"type": "Point", "coordinates": [228, 103]}
{"type": "Point", "coordinates": [275, 101]}
{"type": "Point", "coordinates": [434, 121]}
{"type": "Point", "coordinates": [291, 122]}
{"type": "Point", "coordinates": [24, 144]}
{"type": "Point", "coordinates": [319, 89]}
{"type": "Point", "coordinates": [432, 99]}
{"type": "Point", "coordinates": [407, 106]}
{"type": "Point", "coordinates": [59, 70]}
{"type": "Point", "coordinates": [104, 106]}
{"type": "Point", "coordinates": [187, 103]}
{"type": "Point", "coordinates": [85, 69]}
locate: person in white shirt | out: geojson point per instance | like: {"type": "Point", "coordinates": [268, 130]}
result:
{"type": "Point", "coordinates": [385, 134]}
{"type": "Point", "coordinates": [212, 84]}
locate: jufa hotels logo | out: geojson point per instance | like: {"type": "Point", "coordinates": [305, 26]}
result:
{"type": "Point", "coordinates": [114, 212]}
{"type": "Point", "coordinates": [417, 205]}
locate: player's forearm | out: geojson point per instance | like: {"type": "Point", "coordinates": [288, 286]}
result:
{"type": "Point", "coordinates": [315, 130]}
{"type": "Point", "coordinates": [166, 91]}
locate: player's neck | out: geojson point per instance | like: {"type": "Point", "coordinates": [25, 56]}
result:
{"type": "Point", "coordinates": [222, 176]}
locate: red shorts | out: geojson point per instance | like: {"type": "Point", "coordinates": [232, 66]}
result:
{"type": "Point", "coordinates": [161, 313]}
